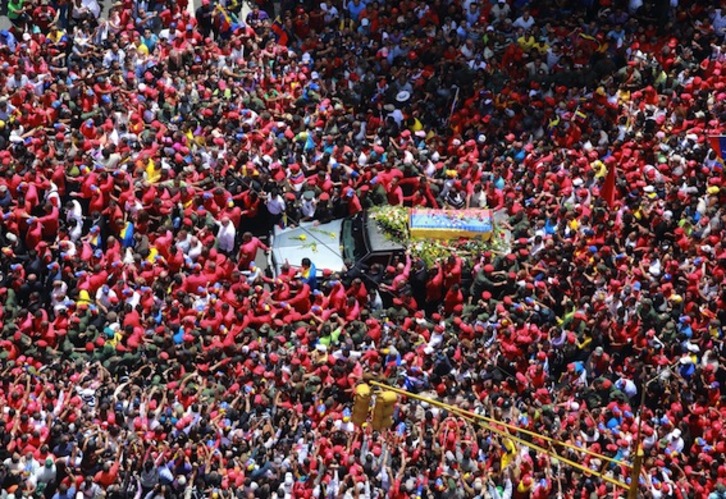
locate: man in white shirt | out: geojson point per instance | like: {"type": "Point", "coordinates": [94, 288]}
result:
{"type": "Point", "coordinates": [106, 297]}
{"type": "Point", "coordinates": [500, 11]}
{"type": "Point", "coordinates": [30, 466]}
{"type": "Point", "coordinates": [184, 241]}
{"type": "Point", "coordinates": [331, 13]}
{"type": "Point", "coordinates": [675, 441]}
{"type": "Point", "coordinates": [525, 21]}
{"type": "Point", "coordinates": [74, 211]}
{"type": "Point", "coordinates": [6, 110]}
{"type": "Point", "coordinates": [19, 80]}
{"type": "Point", "coordinates": [114, 54]}
{"type": "Point", "coordinates": [394, 113]}
{"type": "Point", "coordinates": [14, 464]}
{"type": "Point", "coordinates": [226, 236]}
{"type": "Point", "coordinates": [308, 205]}
{"type": "Point", "coordinates": [345, 423]}
{"type": "Point", "coordinates": [275, 207]}
{"type": "Point", "coordinates": [92, 6]}
{"type": "Point", "coordinates": [131, 297]}
{"type": "Point", "coordinates": [46, 474]}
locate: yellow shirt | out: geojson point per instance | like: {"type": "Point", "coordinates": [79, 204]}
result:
{"type": "Point", "coordinates": [153, 175]}
{"type": "Point", "coordinates": [509, 454]}
{"type": "Point", "coordinates": [526, 43]}
{"type": "Point", "coordinates": [541, 48]}
{"type": "Point", "coordinates": [153, 252]}
{"type": "Point", "coordinates": [55, 36]}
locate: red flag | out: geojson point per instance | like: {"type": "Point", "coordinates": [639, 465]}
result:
{"type": "Point", "coordinates": [607, 193]}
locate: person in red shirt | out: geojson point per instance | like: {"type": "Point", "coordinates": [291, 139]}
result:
{"type": "Point", "coordinates": [248, 250]}
{"type": "Point", "coordinates": [353, 202]}
{"type": "Point", "coordinates": [108, 474]}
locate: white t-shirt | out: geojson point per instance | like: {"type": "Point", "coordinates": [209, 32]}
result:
{"type": "Point", "coordinates": [226, 236]}
{"type": "Point", "coordinates": [521, 22]}
{"type": "Point", "coordinates": [106, 299]}
{"type": "Point", "coordinates": [45, 474]}
{"type": "Point", "coordinates": [276, 205]}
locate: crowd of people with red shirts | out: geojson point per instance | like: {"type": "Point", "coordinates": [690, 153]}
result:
{"type": "Point", "coordinates": [147, 152]}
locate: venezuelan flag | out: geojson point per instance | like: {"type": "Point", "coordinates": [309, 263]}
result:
{"type": "Point", "coordinates": [279, 32]}
{"type": "Point", "coordinates": [127, 235]}
{"type": "Point", "coordinates": [225, 19]}
{"type": "Point", "coordinates": [95, 241]}
{"type": "Point", "coordinates": [718, 144]}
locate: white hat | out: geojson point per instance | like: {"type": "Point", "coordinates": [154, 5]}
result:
{"type": "Point", "coordinates": [364, 22]}
{"type": "Point", "coordinates": [403, 96]}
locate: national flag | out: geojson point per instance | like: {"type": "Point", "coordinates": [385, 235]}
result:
{"type": "Point", "coordinates": [225, 19]}
{"type": "Point", "coordinates": [127, 235]}
{"type": "Point", "coordinates": [607, 193]}
{"type": "Point", "coordinates": [279, 31]}
{"type": "Point", "coordinates": [718, 144]}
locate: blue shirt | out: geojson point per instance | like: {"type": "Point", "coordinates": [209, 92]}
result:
{"type": "Point", "coordinates": [150, 42]}
{"type": "Point", "coordinates": [355, 10]}
{"type": "Point", "coordinates": [7, 38]}
{"type": "Point", "coordinates": [69, 494]}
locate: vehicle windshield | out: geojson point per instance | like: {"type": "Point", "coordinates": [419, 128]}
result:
{"type": "Point", "coordinates": [351, 239]}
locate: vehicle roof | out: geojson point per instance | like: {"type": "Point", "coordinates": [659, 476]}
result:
{"type": "Point", "coordinates": [320, 243]}
{"type": "Point", "coordinates": [377, 241]}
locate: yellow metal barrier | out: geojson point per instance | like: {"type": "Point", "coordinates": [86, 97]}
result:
{"type": "Point", "coordinates": [485, 422]}
{"type": "Point", "coordinates": [511, 427]}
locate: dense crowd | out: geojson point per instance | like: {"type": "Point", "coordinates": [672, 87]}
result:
{"type": "Point", "coordinates": [146, 153]}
